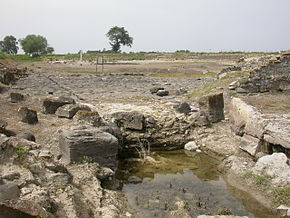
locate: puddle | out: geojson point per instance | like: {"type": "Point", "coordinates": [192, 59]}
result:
{"type": "Point", "coordinates": [154, 188]}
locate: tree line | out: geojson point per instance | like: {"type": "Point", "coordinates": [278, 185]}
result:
{"type": "Point", "coordinates": [35, 45]}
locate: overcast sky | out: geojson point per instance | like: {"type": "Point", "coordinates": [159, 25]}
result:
{"type": "Point", "coordinates": [155, 25]}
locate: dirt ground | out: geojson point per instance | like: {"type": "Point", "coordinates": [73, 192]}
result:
{"type": "Point", "coordinates": [125, 86]}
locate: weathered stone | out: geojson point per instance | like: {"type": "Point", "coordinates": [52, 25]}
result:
{"type": "Point", "coordinates": [246, 118]}
{"type": "Point", "coordinates": [162, 93]}
{"type": "Point", "coordinates": [3, 125]}
{"type": "Point", "coordinates": [183, 108]}
{"type": "Point", "coordinates": [272, 76]}
{"type": "Point", "coordinates": [89, 117]}
{"type": "Point", "coordinates": [16, 97]}
{"type": "Point", "coordinates": [82, 142]}
{"type": "Point", "coordinates": [250, 144]}
{"type": "Point", "coordinates": [9, 191]}
{"type": "Point", "coordinates": [277, 132]}
{"type": "Point", "coordinates": [27, 136]}
{"type": "Point", "coordinates": [221, 216]}
{"type": "Point", "coordinates": [129, 120]}
{"type": "Point", "coordinates": [114, 130]}
{"type": "Point", "coordinates": [213, 107]}
{"type": "Point", "coordinates": [27, 115]}
{"type": "Point", "coordinates": [69, 110]}
{"type": "Point", "coordinates": [191, 146]}
{"type": "Point", "coordinates": [150, 122]}
{"type": "Point", "coordinates": [275, 166]}
{"type": "Point", "coordinates": [50, 105]}
{"type": "Point", "coordinates": [155, 90]}
{"type": "Point", "coordinates": [283, 210]}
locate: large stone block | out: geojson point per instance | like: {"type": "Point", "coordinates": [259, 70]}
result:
{"type": "Point", "coordinates": [213, 107]}
{"type": "Point", "coordinates": [246, 118]}
{"type": "Point", "coordinates": [27, 115]}
{"type": "Point", "coordinates": [50, 105]}
{"type": "Point", "coordinates": [85, 143]}
{"type": "Point", "coordinates": [277, 132]}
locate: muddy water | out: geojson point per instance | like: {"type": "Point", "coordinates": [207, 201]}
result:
{"type": "Point", "coordinates": [154, 188]}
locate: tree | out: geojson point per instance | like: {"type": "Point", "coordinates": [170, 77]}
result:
{"type": "Point", "coordinates": [119, 36]}
{"type": "Point", "coordinates": [49, 50]}
{"type": "Point", "coordinates": [35, 45]}
{"type": "Point", "coordinates": [9, 45]}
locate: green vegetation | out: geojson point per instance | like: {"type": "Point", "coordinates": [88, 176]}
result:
{"type": "Point", "coordinates": [259, 180]}
{"type": "Point", "coordinates": [21, 152]}
{"type": "Point", "coordinates": [86, 160]}
{"type": "Point", "coordinates": [35, 45]}
{"type": "Point", "coordinates": [119, 36]}
{"type": "Point", "coordinates": [282, 195]}
{"type": "Point", "coordinates": [9, 45]}
{"type": "Point", "coordinates": [19, 58]}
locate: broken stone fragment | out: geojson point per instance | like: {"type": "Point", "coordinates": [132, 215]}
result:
{"type": "Point", "coordinates": [69, 110]}
{"type": "Point", "coordinates": [129, 120]}
{"type": "Point", "coordinates": [183, 108]}
{"type": "Point", "coordinates": [50, 105]}
{"type": "Point", "coordinates": [191, 146]}
{"type": "Point", "coordinates": [3, 125]}
{"type": "Point", "coordinates": [250, 144]}
{"type": "Point", "coordinates": [9, 191]}
{"type": "Point", "coordinates": [162, 93]}
{"type": "Point", "coordinates": [212, 106]}
{"type": "Point", "coordinates": [27, 115]}
{"type": "Point", "coordinates": [89, 118]}
{"type": "Point", "coordinates": [87, 144]}
{"type": "Point", "coordinates": [154, 90]}
{"type": "Point", "coordinates": [16, 97]}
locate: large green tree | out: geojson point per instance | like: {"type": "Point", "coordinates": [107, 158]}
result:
{"type": "Point", "coordinates": [119, 36]}
{"type": "Point", "coordinates": [9, 45]}
{"type": "Point", "coordinates": [35, 45]}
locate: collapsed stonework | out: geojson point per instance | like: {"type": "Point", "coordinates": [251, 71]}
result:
{"type": "Point", "coordinates": [274, 76]}
{"type": "Point", "coordinates": [259, 132]}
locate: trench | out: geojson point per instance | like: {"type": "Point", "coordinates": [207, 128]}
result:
{"type": "Point", "coordinates": [154, 188]}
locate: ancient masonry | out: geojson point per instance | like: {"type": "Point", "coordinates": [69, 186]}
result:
{"type": "Point", "coordinates": [274, 76]}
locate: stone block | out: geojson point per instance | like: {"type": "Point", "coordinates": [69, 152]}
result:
{"type": "Point", "coordinates": [85, 143]}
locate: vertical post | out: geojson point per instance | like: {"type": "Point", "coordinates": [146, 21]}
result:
{"type": "Point", "coordinates": [81, 55]}
{"type": "Point", "coordinates": [96, 64]}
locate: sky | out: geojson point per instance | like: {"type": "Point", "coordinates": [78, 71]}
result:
{"type": "Point", "coordinates": [155, 25]}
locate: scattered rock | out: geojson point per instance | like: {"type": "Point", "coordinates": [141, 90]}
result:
{"type": "Point", "coordinates": [191, 146]}
{"type": "Point", "coordinates": [129, 120]}
{"type": "Point", "coordinates": [154, 90]}
{"type": "Point", "coordinates": [221, 216]}
{"type": "Point", "coordinates": [250, 144]}
{"type": "Point", "coordinates": [16, 97]}
{"type": "Point", "coordinates": [283, 210]}
{"type": "Point", "coordinates": [89, 118]}
{"type": "Point", "coordinates": [213, 107]}
{"type": "Point", "coordinates": [79, 144]}
{"type": "Point", "coordinates": [275, 166]}
{"type": "Point", "coordinates": [50, 105]}
{"type": "Point", "coordinates": [3, 125]}
{"type": "Point", "coordinates": [45, 154]}
{"type": "Point", "coordinates": [27, 136]}
{"type": "Point", "coordinates": [27, 115]}
{"type": "Point", "coordinates": [9, 191]}
{"type": "Point", "coordinates": [183, 108]}
{"type": "Point", "coordinates": [69, 110]}
{"type": "Point", "coordinates": [162, 93]}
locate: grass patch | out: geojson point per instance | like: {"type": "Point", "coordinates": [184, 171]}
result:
{"type": "Point", "coordinates": [259, 180]}
{"type": "Point", "coordinates": [20, 57]}
{"type": "Point", "coordinates": [282, 195]}
{"type": "Point", "coordinates": [21, 152]}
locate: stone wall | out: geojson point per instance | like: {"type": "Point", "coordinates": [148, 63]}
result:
{"type": "Point", "coordinates": [275, 76]}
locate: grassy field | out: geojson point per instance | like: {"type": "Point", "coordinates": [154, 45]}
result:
{"type": "Point", "coordinates": [113, 57]}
